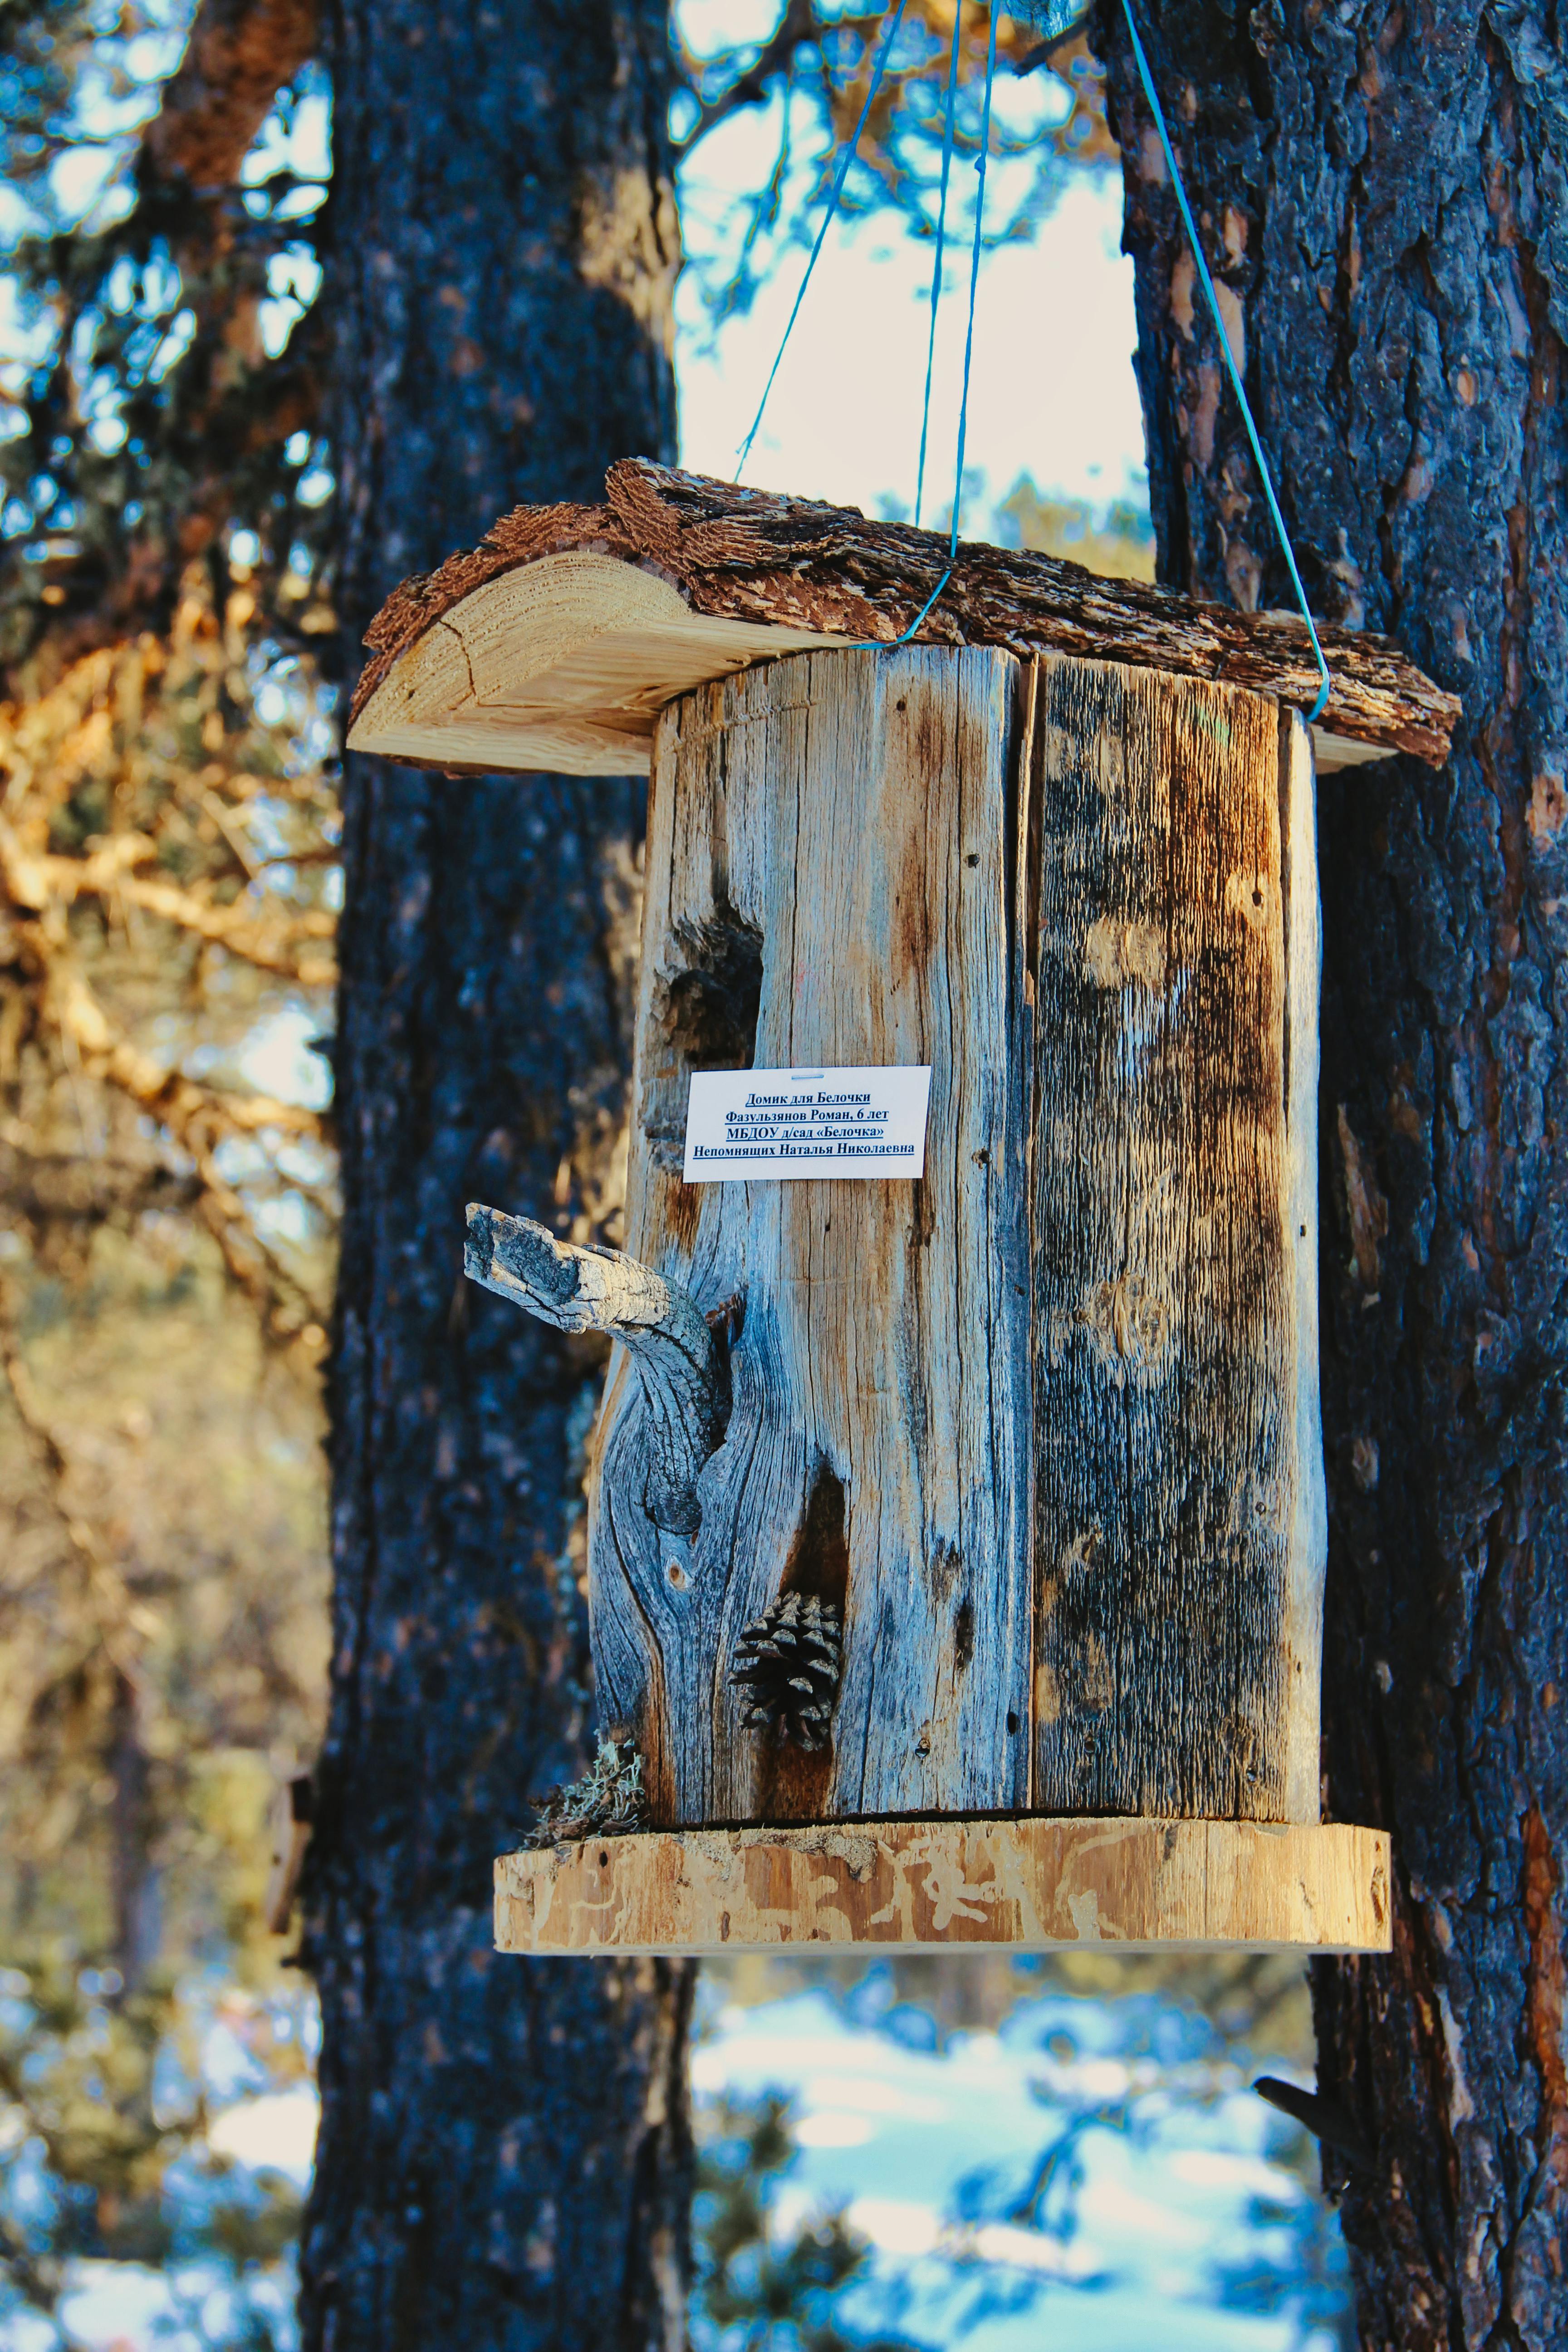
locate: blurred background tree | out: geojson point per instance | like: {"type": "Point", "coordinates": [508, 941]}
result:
{"type": "Point", "coordinates": [168, 896]}
{"type": "Point", "coordinates": [1382, 203]}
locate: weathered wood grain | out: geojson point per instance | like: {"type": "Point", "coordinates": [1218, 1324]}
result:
{"type": "Point", "coordinates": [1045, 1424]}
{"type": "Point", "coordinates": [680, 1364]}
{"type": "Point", "coordinates": [1179, 1524]}
{"type": "Point", "coordinates": [556, 642]}
{"type": "Point", "coordinates": [830, 878]}
{"type": "Point", "coordinates": [1030, 1884]}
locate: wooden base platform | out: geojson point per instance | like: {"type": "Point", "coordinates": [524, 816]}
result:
{"type": "Point", "coordinates": [1030, 1884]}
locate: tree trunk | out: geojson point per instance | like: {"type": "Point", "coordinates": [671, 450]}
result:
{"type": "Point", "coordinates": [504, 2153]}
{"type": "Point", "coordinates": [1380, 192]}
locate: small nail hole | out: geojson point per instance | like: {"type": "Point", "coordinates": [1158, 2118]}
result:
{"type": "Point", "coordinates": [973, 858]}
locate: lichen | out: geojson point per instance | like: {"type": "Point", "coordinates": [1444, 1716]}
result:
{"type": "Point", "coordinates": [609, 1801]}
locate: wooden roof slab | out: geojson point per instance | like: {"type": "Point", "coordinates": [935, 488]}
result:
{"type": "Point", "coordinates": [556, 643]}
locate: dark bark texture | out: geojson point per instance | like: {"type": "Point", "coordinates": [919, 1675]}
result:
{"type": "Point", "coordinates": [504, 2156]}
{"type": "Point", "coordinates": [1379, 187]}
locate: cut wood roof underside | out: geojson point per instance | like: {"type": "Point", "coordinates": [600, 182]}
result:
{"type": "Point", "coordinates": [554, 644]}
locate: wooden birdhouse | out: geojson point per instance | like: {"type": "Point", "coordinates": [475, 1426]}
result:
{"type": "Point", "coordinates": [956, 1538]}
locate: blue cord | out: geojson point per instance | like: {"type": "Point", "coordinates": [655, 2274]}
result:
{"type": "Point", "coordinates": [1152, 95]}
{"type": "Point", "coordinates": [974, 267]}
{"type": "Point", "coordinates": [843, 173]}
{"type": "Point", "coordinates": [941, 237]}
{"type": "Point", "coordinates": [876, 645]}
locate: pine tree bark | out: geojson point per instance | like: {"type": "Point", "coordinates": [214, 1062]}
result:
{"type": "Point", "coordinates": [504, 2157]}
{"type": "Point", "coordinates": [1379, 189]}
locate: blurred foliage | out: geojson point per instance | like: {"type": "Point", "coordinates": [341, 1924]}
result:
{"type": "Point", "coordinates": [758, 2287]}
{"type": "Point", "coordinates": [811, 76]}
{"type": "Point", "coordinates": [168, 886]}
{"type": "Point", "coordinates": [158, 397]}
{"type": "Point", "coordinates": [168, 867]}
{"type": "Point", "coordinates": [106, 2158]}
{"type": "Point", "coordinates": [1118, 543]}
{"type": "Point", "coordinates": [161, 1603]}
{"type": "Point", "coordinates": [163, 1636]}
{"type": "Point", "coordinates": [1161, 2038]}
{"type": "Point", "coordinates": [1257, 2003]}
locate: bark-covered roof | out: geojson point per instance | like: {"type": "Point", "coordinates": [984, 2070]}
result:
{"type": "Point", "coordinates": [738, 556]}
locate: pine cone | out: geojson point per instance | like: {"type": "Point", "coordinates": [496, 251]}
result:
{"type": "Point", "coordinates": [788, 1665]}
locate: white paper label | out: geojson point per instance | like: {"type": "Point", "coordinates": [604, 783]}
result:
{"type": "Point", "coordinates": [766, 1126]}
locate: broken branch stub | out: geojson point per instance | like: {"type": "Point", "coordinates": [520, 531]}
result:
{"type": "Point", "coordinates": [683, 1368]}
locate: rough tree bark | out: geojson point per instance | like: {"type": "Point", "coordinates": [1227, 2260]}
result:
{"type": "Point", "coordinates": [1379, 187]}
{"type": "Point", "coordinates": [503, 2157]}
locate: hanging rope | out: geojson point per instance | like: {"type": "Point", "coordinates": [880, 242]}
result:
{"type": "Point", "coordinates": [871, 644]}
{"type": "Point", "coordinates": [846, 158]}
{"type": "Point", "coordinates": [975, 271]}
{"type": "Point", "coordinates": [875, 645]}
{"type": "Point", "coordinates": [840, 176]}
{"type": "Point", "coordinates": [1152, 95]}
{"type": "Point", "coordinates": [941, 237]}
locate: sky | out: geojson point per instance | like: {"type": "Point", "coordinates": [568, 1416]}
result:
{"type": "Point", "coordinates": [1052, 390]}
{"type": "Point", "coordinates": [1052, 393]}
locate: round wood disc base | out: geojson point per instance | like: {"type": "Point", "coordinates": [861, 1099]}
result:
{"type": "Point", "coordinates": [1030, 1884]}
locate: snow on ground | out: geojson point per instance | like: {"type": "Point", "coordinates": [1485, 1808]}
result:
{"type": "Point", "coordinates": [1176, 2210]}
{"type": "Point", "coordinates": [1174, 2202]}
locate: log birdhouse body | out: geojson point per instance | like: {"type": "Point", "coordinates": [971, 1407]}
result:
{"type": "Point", "coordinates": [956, 1543]}
{"type": "Point", "coordinates": [840, 827]}
{"type": "Point", "coordinates": [1043, 1423]}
